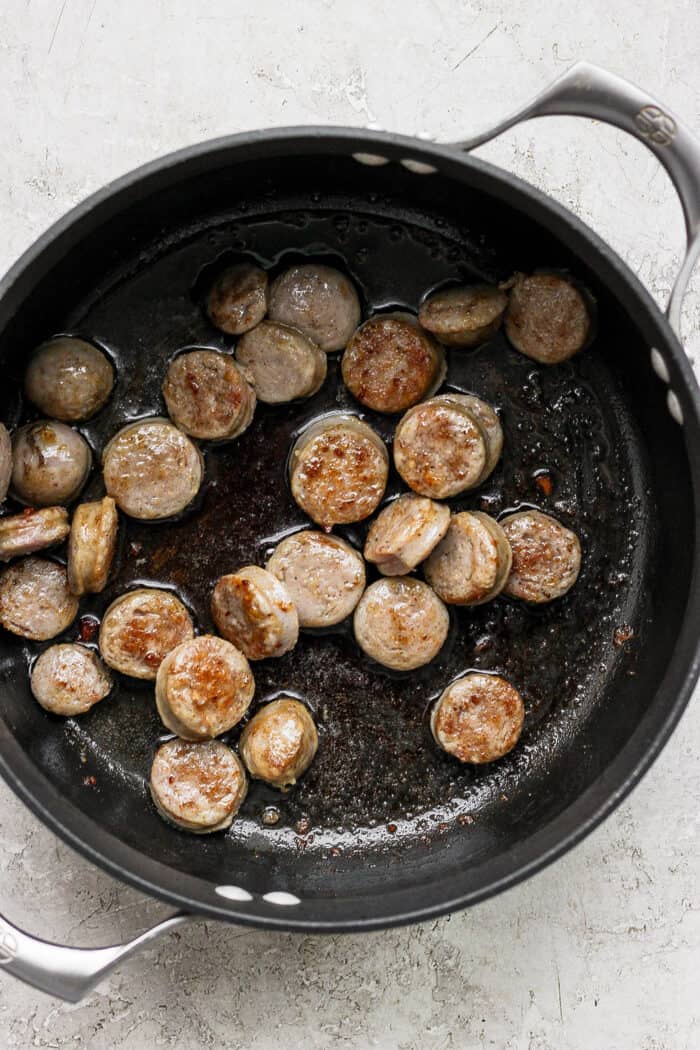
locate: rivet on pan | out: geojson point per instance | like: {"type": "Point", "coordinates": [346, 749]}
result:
{"type": "Point", "coordinates": [659, 365]}
{"type": "Point", "coordinates": [674, 407]}
{"type": "Point", "coordinates": [280, 897]}
{"type": "Point", "coordinates": [234, 893]}
{"type": "Point", "coordinates": [418, 167]}
{"type": "Point", "coordinates": [372, 159]}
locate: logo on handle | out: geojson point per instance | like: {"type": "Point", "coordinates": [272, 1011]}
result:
{"type": "Point", "coordinates": [655, 125]}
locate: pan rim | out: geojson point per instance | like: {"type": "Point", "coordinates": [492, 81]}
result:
{"type": "Point", "coordinates": [622, 774]}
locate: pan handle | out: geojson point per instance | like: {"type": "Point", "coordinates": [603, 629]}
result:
{"type": "Point", "coordinates": [586, 90]}
{"type": "Point", "coordinates": [68, 973]}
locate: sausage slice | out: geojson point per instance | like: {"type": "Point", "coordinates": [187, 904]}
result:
{"type": "Point", "coordinates": [318, 300]}
{"type": "Point", "coordinates": [32, 530]}
{"type": "Point", "coordinates": [203, 688]}
{"type": "Point", "coordinates": [405, 532]}
{"type": "Point", "coordinates": [339, 469]}
{"type": "Point", "coordinates": [207, 395]}
{"type": "Point", "coordinates": [464, 316]}
{"type": "Point", "coordinates": [471, 564]}
{"type": "Point", "coordinates": [325, 576]}
{"type": "Point", "coordinates": [35, 601]}
{"type": "Point", "coordinates": [252, 609]}
{"type": "Point", "coordinates": [198, 787]}
{"type": "Point", "coordinates": [546, 556]}
{"type": "Point", "coordinates": [50, 463]}
{"type": "Point", "coordinates": [401, 623]}
{"type": "Point", "coordinates": [279, 743]}
{"type": "Point", "coordinates": [92, 544]}
{"type": "Point", "coordinates": [390, 363]}
{"type": "Point", "coordinates": [547, 318]}
{"type": "Point", "coordinates": [478, 718]}
{"type": "Point", "coordinates": [487, 418]}
{"type": "Point", "coordinates": [69, 679]}
{"type": "Point", "coordinates": [281, 362]}
{"type": "Point", "coordinates": [140, 628]}
{"type": "Point", "coordinates": [238, 298]}
{"type": "Point", "coordinates": [152, 470]}
{"type": "Point", "coordinates": [5, 461]}
{"type": "Point", "coordinates": [440, 448]}
{"type": "Point", "coordinates": [69, 379]}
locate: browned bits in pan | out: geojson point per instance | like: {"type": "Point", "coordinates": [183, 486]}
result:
{"type": "Point", "coordinates": [69, 679]}
{"type": "Point", "coordinates": [279, 743]}
{"type": "Point", "coordinates": [92, 544]}
{"type": "Point", "coordinates": [253, 609]}
{"type": "Point", "coordinates": [207, 395]}
{"type": "Point", "coordinates": [546, 556]}
{"type": "Point", "coordinates": [69, 379]}
{"type": "Point", "coordinates": [35, 600]}
{"type": "Point", "coordinates": [140, 628]}
{"type": "Point", "coordinates": [281, 362]}
{"type": "Point", "coordinates": [197, 786]}
{"type": "Point", "coordinates": [51, 463]}
{"type": "Point", "coordinates": [324, 575]}
{"type": "Point", "coordinates": [547, 318]}
{"type": "Point", "coordinates": [464, 316]}
{"type": "Point", "coordinates": [405, 532]}
{"type": "Point", "coordinates": [471, 564]}
{"type": "Point", "coordinates": [32, 530]}
{"type": "Point", "coordinates": [478, 718]}
{"type": "Point", "coordinates": [390, 363]}
{"type": "Point", "coordinates": [401, 623]}
{"type": "Point", "coordinates": [318, 300]}
{"type": "Point", "coordinates": [237, 300]}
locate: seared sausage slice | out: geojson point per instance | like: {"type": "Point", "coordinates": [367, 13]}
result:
{"type": "Point", "coordinates": [478, 718]}
{"type": "Point", "coordinates": [203, 688]}
{"type": "Point", "coordinates": [464, 316]}
{"type": "Point", "coordinates": [324, 575]}
{"type": "Point", "coordinates": [390, 363]}
{"type": "Point", "coordinates": [69, 679]}
{"type": "Point", "coordinates": [50, 463]}
{"type": "Point", "coordinates": [140, 628]}
{"type": "Point", "coordinates": [151, 469]}
{"type": "Point", "coordinates": [546, 556]}
{"type": "Point", "coordinates": [93, 540]}
{"type": "Point", "coordinates": [252, 609]}
{"type": "Point", "coordinates": [487, 418]}
{"type": "Point", "coordinates": [339, 469]}
{"type": "Point", "coordinates": [471, 564]}
{"type": "Point", "coordinates": [207, 395]}
{"type": "Point", "coordinates": [199, 787]}
{"type": "Point", "coordinates": [440, 448]}
{"type": "Point", "coordinates": [5, 461]}
{"type": "Point", "coordinates": [318, 300]}
{"type": "Point", "coordinates": [238, 298]}
{"type": "Point", "coordinates": [35, 601]}
{"type": "Point", "coordinates": [32, 530]}
{"type": "Point", "coordinates": [401, 623]}
{"type": "Point", "coordinates": [547, 318]}
{"type": "Point", "coordinates": [405, 532]}
{"type": "Point", "coordinates": [281, 362]}
{"type": "Point", "coordinates": [279, 743]}
{"type": "Point", "coordinates": [69, 379]}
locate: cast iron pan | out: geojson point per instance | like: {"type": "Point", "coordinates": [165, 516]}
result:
{"type": "Point", "coordinates": [384, 828]}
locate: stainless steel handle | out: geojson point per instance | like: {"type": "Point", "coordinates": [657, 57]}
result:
{"type": "Point", "coordinates": [68, 973]}
{"type": "Point", "coordinates": [585, 90]}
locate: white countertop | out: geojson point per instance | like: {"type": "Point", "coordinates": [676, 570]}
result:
{"type": "Point", "coordinates": [602, 950]}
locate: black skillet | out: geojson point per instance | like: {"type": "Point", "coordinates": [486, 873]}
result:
{"type": "Point", "coordinates": [384, 829]}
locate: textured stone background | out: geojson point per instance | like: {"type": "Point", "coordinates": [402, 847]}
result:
{"type": "Point", "coordinates": [601, 950]}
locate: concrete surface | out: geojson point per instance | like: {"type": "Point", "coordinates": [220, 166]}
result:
{"type": "Point", "coordinates": [602, 950]}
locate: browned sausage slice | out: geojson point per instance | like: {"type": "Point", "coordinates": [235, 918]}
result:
{"type": "Point", "coordinates": [390, 363]}
{"type": "Point", "coordinates": [253, 609]}
{"type": "Point", "coordinates": [197, 786]}
{"type": "Point", "coordinates": [35, 601]}
{"type": "Point", "coordinates": [281, 363]}
{"type": "Point", "coordinates": [207, 395]}
{"type": "Point", "coordinates": [487, 418]}
{"type": "Point", "coordinates": [51, 463]}
{"type": "Point", "coordinates": [478, 718]}
{"type": "Point", "coordinates": [464, 316]}
{"type": "Point", "coordinates": [440, 448]}
{"type": "Point", "coordinates": [5, 461]}
{"type": "Point", "coordinates": [401, 623]}
{"type": "Point", "coordinates": [69, 379]}
{"type": "Point", "coordinates": [69, 679]}
{"type": "Point", "coordinates": [405, 532]}
{"type": "Point", "coordinates": [32, 530]}
{"type": "Point", "coordinates": [546, 556]}
{"type": "Point", "coordinates": [318, 300]}
{"type": "Point", "coordinates": [324, 575]}
{"type": "Point", "coordinates": [547, 318]}
{"type": "Point", "coordinates": [92, 544]}
{"type": "Point", "coordinates": [279, 743]}
{"type": "Point", "coordinates": [140, 628]}
{"type": "Point", "coordinates": [339, 468]}
{"type": "Point", "coordinates": [203, 688]}
{"type": "Point", "coordinates": [238, 298]}
{"type": "Point", "coordinates": [471, 564]}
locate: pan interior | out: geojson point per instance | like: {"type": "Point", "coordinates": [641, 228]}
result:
{"type": "Point", "coordinates": [380, 796]}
